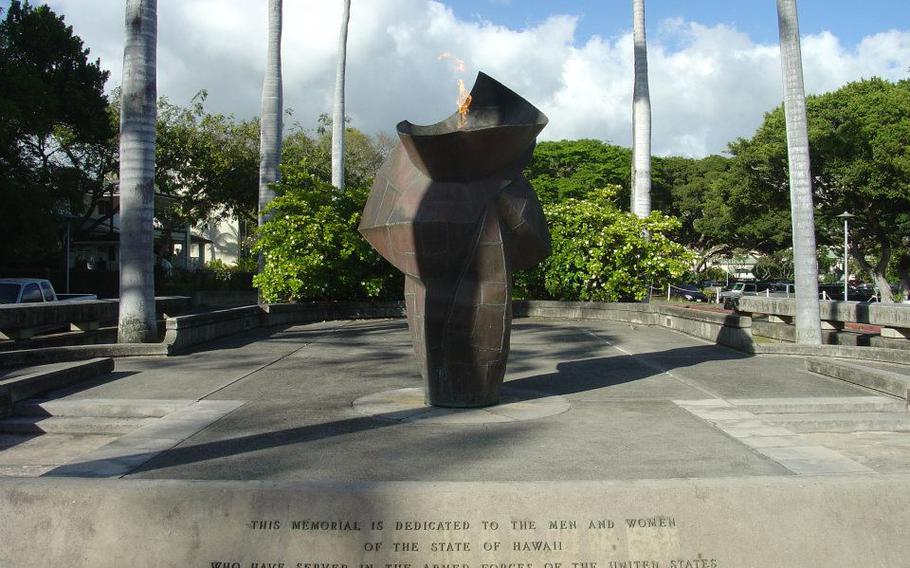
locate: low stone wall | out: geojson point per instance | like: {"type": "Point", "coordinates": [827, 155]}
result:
{"type": "Point", "coordinates": [726, 329]}
{"type": "Point", "coordinates": [186, 331]}
{"type": "Point", "coordinates": [225, 298]}
{"type": "Point", "coordinates": [308, 312]}
{"type": "Point", "coordinates": [644, 314]}
{"type": "Point", "coordinates": [182, 332]}
{"type": "Point", "coordinates": [699, 523]}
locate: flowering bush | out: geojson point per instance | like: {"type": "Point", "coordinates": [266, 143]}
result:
{"type": "Point", "coordinates": [601, 253]}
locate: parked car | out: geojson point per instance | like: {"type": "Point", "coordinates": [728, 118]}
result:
{"type": "Point", "coordinates": [740, 289]}
{"type": "Point", "coordinates": [782, 289]}
{"type": "Point", "coordinates": [688, 292]}
{"type": "Point", "coordinates": [34, 290]}
{"type": "Point", "coordinates": [835, 292]}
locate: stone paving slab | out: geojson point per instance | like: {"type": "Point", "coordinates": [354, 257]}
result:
{"type": "Point", "coordinates": [128, 452]}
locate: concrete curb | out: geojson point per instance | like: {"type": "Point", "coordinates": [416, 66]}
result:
{"type": "Point", "coordinates": [879, 354]}
{"type": "Point", "coordinates": [28, 357]}
{"type": "Point", "coordinates": [879, 380]}
{"type": "Point", "coordinates": [43, 380]}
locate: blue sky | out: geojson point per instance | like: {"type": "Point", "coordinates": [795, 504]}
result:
{"type": "Point", "coordinates": [849, 20]}
{"type": "Point", "coordinates": [714, 64]}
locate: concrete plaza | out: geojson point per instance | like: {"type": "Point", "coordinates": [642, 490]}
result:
{"type": "Point", "coordinates": [636, 402]}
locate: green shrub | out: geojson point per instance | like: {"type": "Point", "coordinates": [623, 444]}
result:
{"type": "Point", "coordinates": [601, 253]}
{"type": "Point", "coordinates": [311, 248]}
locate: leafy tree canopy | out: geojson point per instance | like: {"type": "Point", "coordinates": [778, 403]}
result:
{"type": "Point", "coordinates": [571, 169]}
{"type": "Point", "coordinates": [54, 128]}
{"type": "Point", "coordinates": [859, 141]}
{"type": "Point", "coordinates": [208, 163]}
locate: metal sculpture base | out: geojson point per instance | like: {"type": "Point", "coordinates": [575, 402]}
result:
{"type": "Point", "coordinates": [407, 405]}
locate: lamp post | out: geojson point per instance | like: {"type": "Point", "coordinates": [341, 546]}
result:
{"type": "Point", "coordinates": [846, 216]}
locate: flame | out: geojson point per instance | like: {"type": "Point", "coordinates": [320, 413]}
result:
{"type": "Point", "coordinates": [464, 104]}
{"type": "Point", "coordinates": [457, 64]}
{"type": "Point", "coordinates": [464, 97]}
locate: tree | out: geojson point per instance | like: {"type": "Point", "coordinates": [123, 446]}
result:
{"type": "Point", "coordinates": [641, 116]}
{"type": "Point", "coordinates": [137, 321]}
{"type": "Point", "coordinates": [338, 119]}
{"type": "Point", "coordinates": [363, 155]}
{"type": "Point", "coordinates": [808, 324]}
{"type": "Point", "coordinates": [270, 119]}
{"type": "Point", "coordinates": [860, 161]}
{"type": "Point", "coordinates": [861, 158]}
{"type": "Point", "coordinates": [208, 165]}
{"type": "Point", "coordinates": [573, 168]}
{"type": "Point", "coordinates": [693, 190]}
{"type": "Point", "coordinates": [55, 133]}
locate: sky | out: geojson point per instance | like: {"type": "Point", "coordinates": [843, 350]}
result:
{"type": "Point", "coordinates": [714, 64]}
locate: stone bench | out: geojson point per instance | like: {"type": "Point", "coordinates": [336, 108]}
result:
{"type": "Point", "coordinates": [22, 321]}
{"type": "Point", "coordinates": [893, 319]}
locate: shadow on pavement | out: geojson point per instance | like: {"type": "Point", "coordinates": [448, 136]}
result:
{"type": "Point", "coordinates": [571, 377]}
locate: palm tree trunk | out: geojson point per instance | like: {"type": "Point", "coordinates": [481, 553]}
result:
{"type": "Point", "coordinates": [641, 116]}
{"type": "Point", "coordinates": [338, 111]}
{"type": "Point", "coordinates": [270, 115]}
{"type": "Point", "coordinates": [802, 217]}
{"type": "Point", "coordinates": [137, 322]}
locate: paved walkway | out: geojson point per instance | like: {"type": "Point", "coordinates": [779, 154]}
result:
{"type": "Point", "coordinates": [631, 402]}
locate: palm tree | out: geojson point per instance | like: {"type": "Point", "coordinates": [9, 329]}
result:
{"type": "Point", "coordinates": [270, 119]}
{"type": "Point", "coordinates": [137, 322]}
{"type": "Point", "coordinates": [802, 218]}
{"type": "Point", "coordinates": [338, 111]}
{"type": "Point", "coordinates": [641, 116]}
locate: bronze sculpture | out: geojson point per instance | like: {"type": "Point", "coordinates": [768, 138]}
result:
{"type": "Point", "coordinates": [451, 209]}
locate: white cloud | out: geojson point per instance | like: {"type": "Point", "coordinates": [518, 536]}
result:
{"type": "Point", "coordinates": [709, 85]}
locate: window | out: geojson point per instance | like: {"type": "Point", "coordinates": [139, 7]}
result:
{"type": "Point", "coordinates": [48, 291]}
{"type": "Point", "coordinates": [9, 293]}
{"type": "Point", "coordinates": [31, 294]}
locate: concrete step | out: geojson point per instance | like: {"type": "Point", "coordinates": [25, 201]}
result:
{"type": "Point", "coordinates": [32, 455]}
{"type": "Point", "coordinates": [831, 404]}
{"type": "Point", "coordinates": [72, 425]}
{"type": "Point", "coordinates": [882, 380]}
{"type": "Point", "coordinates": [20, 384]}
{"type": "Point", "coordinates": [841, 421]}
{"type": "Point", "coordinates": [99, 408]}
